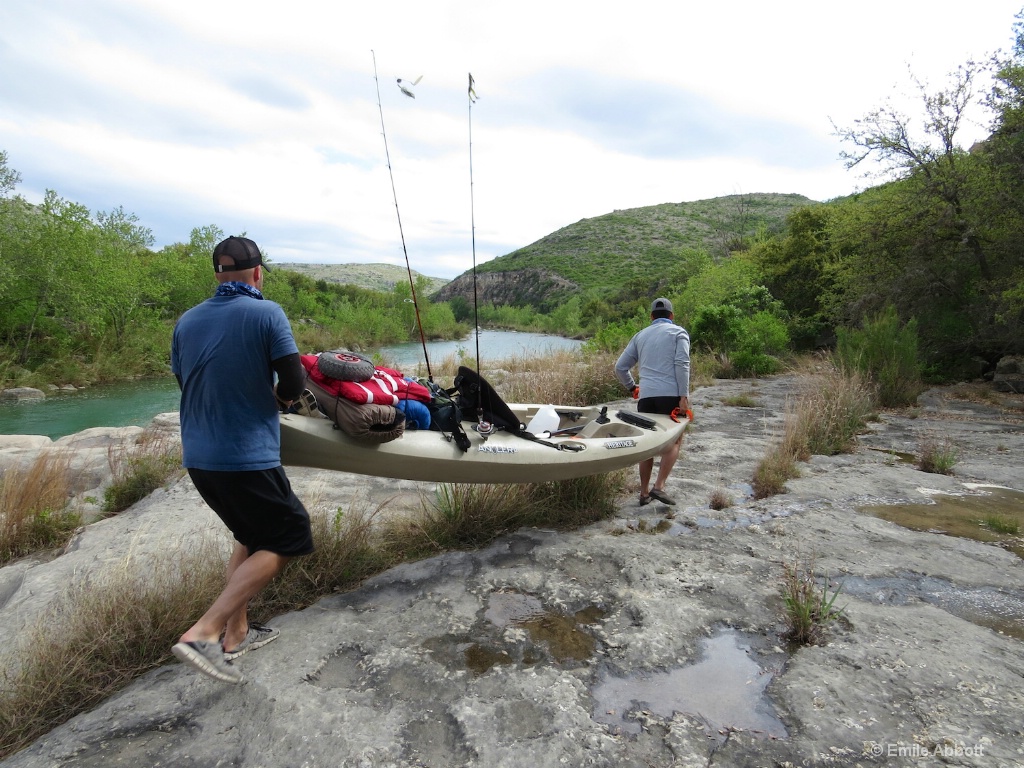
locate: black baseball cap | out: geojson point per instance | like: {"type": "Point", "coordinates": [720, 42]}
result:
{"type": "Point", "coordinates": [243, 253]}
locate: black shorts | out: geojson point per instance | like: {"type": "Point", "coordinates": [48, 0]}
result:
{"type": "Point", "coordinates": [259, 508]}
{"type": "Point", "coordinates": [662, 405]}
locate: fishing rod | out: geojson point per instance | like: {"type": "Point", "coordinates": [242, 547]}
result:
{"type": "Point", "coordinates": [401, 232]}
{"type": "Point", "coordinates": [471, 98]}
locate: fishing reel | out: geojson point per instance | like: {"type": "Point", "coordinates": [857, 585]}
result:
{"type": "Point", "coordinates": [485, 428]}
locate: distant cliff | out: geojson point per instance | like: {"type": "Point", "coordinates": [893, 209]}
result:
{"type": "Point", "coordinates": [522, 287]}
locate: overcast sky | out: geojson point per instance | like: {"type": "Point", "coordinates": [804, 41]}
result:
{"type": "Point", "coordinates": [264, 117]}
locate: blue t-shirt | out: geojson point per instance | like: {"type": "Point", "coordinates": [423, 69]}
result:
{"type": "Point", "coordinates": [222, 351]}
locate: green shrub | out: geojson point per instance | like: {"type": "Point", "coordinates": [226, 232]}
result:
{"type": "Point", "coordinates": [887, 352]}
{"type": "Point", "coordinates": [614, 336]}
{"type": "Point", "coordinates": [747, 343]}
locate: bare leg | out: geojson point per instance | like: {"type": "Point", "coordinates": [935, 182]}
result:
{"type": "Point", "coordinates": [668, 461]}
{"type": "Point", "coordinates": [646, 468]}
{"type": "Point", "coordinates": [238, 624]}
{"type": "Point", "coordinates": [248, 576]}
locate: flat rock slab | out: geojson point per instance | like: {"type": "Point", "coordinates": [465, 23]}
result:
{"type": "Point", "coordinates": [492, 658]}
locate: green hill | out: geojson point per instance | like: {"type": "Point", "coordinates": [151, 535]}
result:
{"type": "Point", "coordinates": [607, 252]}
{"type": "Point", "coordinates": [376, 277]}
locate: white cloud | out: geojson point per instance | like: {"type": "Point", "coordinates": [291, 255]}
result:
{"type": "Point", "coordinates": [262, 117]}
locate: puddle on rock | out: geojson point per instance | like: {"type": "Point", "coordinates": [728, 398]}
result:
{"type": "Point", "coordinates": [725, 690]}
{"type": "Point", "coordinates": [989, 514]}
{"type": "Point", "coordinates": [997, 609]}
{"type": "Point", "coordinates": [899, 457]}
{"type": "Point", "coordinates": [548, 636]}
{"type": "Point", "coordinates": [507, 608]}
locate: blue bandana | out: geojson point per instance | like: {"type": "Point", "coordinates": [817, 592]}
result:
{"type": "Point", "coordinates": [233, 288]}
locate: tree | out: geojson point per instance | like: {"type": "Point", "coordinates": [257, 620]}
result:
{"type": "Point", "coordinates": [188, 270]}
{"type": "Point", "coordinates": [934, 241]}
{"type": "Point", "coordinates": [934, 157]}
{"type": "Point", "coordinates": [9, 178]}
{"type": "Point", "coordinates": [118, 276]}
{"type": "Point", "coordinates": [797, 269]}
{"type": "Point", "coordinates": [1006, 148]}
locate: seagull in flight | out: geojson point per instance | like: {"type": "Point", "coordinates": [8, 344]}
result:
{"type": "Point", "coordinates": [406, 88]}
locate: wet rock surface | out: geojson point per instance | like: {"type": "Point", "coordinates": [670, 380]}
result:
{"type": "Point", "coordinates": [572, 649]}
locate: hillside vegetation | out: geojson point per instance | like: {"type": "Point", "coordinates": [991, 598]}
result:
{"type": "Point", "coordinates": [655, 244]}
{"type": "Point", "coordinates": [373, 277]}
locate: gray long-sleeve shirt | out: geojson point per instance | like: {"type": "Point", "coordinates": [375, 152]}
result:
{"type": "Point", "coordinates": [662, 350]}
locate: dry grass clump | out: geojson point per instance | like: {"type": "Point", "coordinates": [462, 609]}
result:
{"type": "Point", "coordinates": [937, 455]}
{"type": "Point", "coordinates": [973, 392]}
{"type": "Point", "coordinates": [108, 630]}
{"type": "Point", "coordinates": [563, 377]}
{"type": "Point", "coordinates": [703, 367]}
{"type": "Point", "coordinates": [463, 515]}
{"type": "Point", "coordinates": [558, 376]}
{"type": "Point", "coordinates": [100, 635]}
{"type": "Point", "coordinates": [348, 550]}
{"type": "Point", "coordinates": [719, 499]}
{"type": "Point", "coordinates": [140, 468]}
{"type": "Point", "coordinates": [810, 610]}
{"type": "Point", "coordinates": [825, 420]}
{"type": "Point", "coordinates": [829, 415]}
{"type": "Point", "coordinates": [772, 472]}
{"type": "Point", "coordinates": [34, 511]}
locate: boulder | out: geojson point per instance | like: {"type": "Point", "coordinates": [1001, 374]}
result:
{"type": "Point", "coordinates": [1009, 375]}
{"type": "Point", "coordinates": [19, 394]}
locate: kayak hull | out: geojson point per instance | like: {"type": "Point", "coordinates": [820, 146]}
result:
{"type": "Point", "coordinates": [604, 440]}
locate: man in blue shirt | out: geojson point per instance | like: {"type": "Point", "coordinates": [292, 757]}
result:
{"type": "Point", "coordinates": [662, 353]}
{"type": "Point", "coordinates": [225, 353]}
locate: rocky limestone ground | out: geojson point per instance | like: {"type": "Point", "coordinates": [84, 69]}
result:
{"type": "Point", "coordinates": [653, 639]}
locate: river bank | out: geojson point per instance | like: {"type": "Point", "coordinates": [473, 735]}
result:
{"type": "Point", "coordinates": [654, 638]}
{"type": "Point", "coordinates": [61, 411]}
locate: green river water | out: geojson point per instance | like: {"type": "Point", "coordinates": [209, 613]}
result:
{"type": "Point", "coordinates": [136, 403]}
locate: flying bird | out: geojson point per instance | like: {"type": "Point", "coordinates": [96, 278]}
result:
{"type": "Point", "coordinates": [406, 88]}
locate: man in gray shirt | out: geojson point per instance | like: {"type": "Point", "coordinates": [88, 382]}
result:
{"type": "Point", "coordinates": [662, 353]}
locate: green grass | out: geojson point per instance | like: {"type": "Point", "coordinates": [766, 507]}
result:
{"type": "Point", "coordinates": [810, 609]}
{"type": "Point", "coordinates": [1002, 524]}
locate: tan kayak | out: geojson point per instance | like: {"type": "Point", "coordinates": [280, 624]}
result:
{"type": "Point", "coordinates": [586, 441]}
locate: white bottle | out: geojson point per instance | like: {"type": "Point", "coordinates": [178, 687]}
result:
{"type": "Point", "coordinates": [545, 420]}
